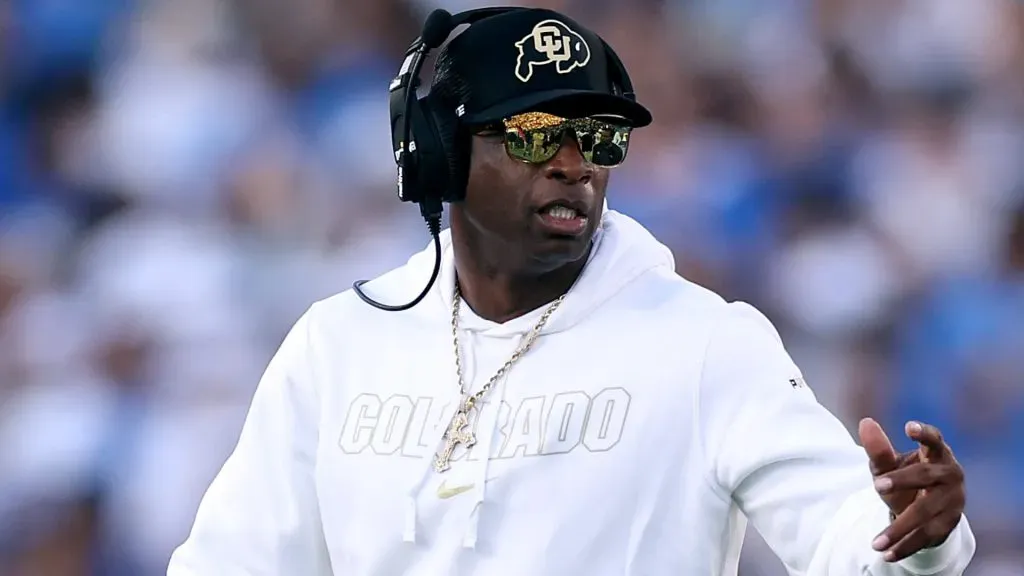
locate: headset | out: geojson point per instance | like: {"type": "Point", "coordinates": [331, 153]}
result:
{"type": "Point", "coordinates": [423, 137]}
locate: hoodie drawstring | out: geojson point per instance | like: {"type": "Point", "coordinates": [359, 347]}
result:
{"type": "Point", "coordinates": [487, 431]}
{"type": "Point", "coordinates": [411, 512]}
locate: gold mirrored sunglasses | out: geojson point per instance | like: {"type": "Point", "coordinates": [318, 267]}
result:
{"type": "Point", "coordinates": [535, 137]}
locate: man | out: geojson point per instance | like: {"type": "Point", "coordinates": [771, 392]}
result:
{"type": "Point", "coordinates": [561, 403]}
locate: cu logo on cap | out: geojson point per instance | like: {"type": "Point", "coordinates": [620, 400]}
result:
{"type": "Point", "coordinates": [551, 42]}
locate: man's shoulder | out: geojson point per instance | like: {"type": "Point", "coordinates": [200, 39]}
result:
{"type": "Point", "coordinates": [685, 303]}
{"type": "Point", "coordinates": [671, 294]}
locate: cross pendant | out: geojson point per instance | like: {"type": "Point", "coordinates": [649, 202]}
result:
{"type": "Point", "coordinates": [458, 432]}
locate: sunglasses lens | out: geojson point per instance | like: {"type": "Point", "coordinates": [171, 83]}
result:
{"type": "Point", "coordinates": [602, 143]}
{"type": "Point", "coordinates": [535, 137]}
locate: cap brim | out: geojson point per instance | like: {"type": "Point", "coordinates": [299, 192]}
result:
{"type": "Point", "coordinates": [566, 103]}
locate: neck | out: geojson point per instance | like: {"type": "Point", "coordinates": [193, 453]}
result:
{"type": "Point", "coordinates": [502, 295]}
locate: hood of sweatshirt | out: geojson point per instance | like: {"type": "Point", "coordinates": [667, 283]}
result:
{"type": "Point", "coordinates": [623, 251]}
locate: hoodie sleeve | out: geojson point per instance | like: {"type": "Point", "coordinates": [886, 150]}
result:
{"type": "Point", "coordinates": [791, 467]}
{"type": "Point", "coordinates": [260, 517]}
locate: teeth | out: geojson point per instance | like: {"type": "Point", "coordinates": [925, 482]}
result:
{"type": "Point", "coordinates": [562, 213]}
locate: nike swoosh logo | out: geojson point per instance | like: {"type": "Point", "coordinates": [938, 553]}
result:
{"type": "Point", "coordinates": [444, 491]}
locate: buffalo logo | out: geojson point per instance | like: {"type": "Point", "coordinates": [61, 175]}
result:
{"type": "Point", "coordinates": [551, 42]}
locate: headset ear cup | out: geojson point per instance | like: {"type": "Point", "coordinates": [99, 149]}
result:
{"type": "Point", "coordinates": [455, 143]}
{"type": "Point", "coordinates": [429, 178]}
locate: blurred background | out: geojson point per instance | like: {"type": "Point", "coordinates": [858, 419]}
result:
{"type": "Point", "coordinates": [180, 179]}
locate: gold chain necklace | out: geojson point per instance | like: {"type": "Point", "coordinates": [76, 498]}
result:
{"type": "Point", "coordinates": [460, 431]}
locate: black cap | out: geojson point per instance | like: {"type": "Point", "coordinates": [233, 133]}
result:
{"type": "Point", "coordinates": [537, 60]}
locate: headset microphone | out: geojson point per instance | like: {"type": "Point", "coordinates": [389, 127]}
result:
{"type": "Point", "coordinates": [436, 29]}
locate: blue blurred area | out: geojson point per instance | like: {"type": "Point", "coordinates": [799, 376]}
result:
{"type": "Point", "coordinates": [50, 38]}
{"type": "Point", "coordinates": [180, 179]}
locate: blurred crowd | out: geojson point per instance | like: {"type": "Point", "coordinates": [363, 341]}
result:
{"type": "Point", "coordinates": [180, 179]}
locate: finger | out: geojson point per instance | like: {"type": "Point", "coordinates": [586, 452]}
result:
{"type": "Point", "coordinates": [931, 534]}
{"type": "Point", "coordinates": [881, 454]}
{"type": "Point", "coordinates": [916, 477]}
{"type": "Point", "coordinates": [920, 512]}
{"type": "Point", "coordinates": [905, 459]}
{"type": "Point", "coordinates": [908, 546]}
{"type": "Point", "coordinates": [929, 437]}
{"type": "Point", "coordinates": [914, 517]}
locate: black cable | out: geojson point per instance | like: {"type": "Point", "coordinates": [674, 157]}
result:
{"type": "Point", "coordinates": [432, 215]}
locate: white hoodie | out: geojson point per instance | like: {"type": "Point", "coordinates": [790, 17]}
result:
{"type": "Point", "coordinates": [648, 424]}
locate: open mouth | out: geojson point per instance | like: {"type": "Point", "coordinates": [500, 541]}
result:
{"type": "Point", "coordinates": [563, 219]}
{"type": "Point", "coordinates": [560, 212]}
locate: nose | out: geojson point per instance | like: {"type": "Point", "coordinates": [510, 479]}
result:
{"type": "Point", "coordinates": [568, 166]}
